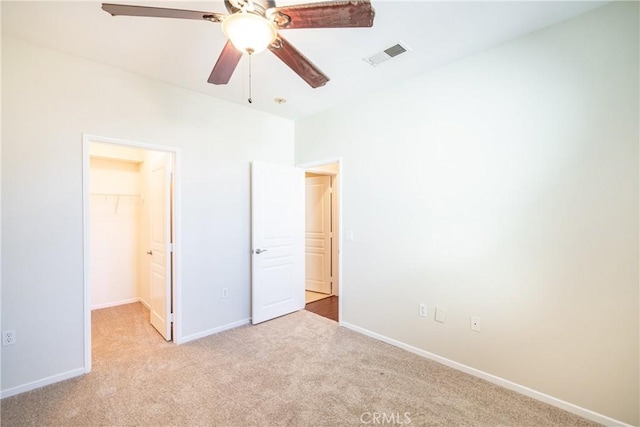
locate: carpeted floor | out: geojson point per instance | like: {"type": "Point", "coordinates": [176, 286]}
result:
{"type": "Point", "coordinates": [297, 370]}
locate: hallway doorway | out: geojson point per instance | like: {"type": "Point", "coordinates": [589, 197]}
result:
{"type": "Point", "coordinates": [322, 238]}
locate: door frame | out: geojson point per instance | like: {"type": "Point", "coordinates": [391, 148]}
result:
{"type": "Point", "coordinates": [308, 167]}
{"type": "Point", "coordinates": [176, 226]}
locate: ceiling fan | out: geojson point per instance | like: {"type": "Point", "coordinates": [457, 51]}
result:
{"type": "Point", "coordinates": [253, 25]}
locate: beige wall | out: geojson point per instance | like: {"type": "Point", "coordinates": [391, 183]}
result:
{"type": "Point", "coordinates": [503, 186]}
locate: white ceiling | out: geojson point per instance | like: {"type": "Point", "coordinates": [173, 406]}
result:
{"type": "Point", "coordinates": [183, 52]}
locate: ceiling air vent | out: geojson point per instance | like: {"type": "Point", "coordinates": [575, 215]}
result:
{"type": "Point", "coordinates": [388, 53]}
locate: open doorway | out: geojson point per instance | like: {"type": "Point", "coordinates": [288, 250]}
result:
{"type": "Point", "coordinates": [322, 239]}
{"type": "Point", "coordinates": [130, 233]}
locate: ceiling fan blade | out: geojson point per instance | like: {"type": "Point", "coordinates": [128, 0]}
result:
{"type": "Point", "coordinates": [225, 65]}
{"type": "Point", "coordinates": [160, 12]}
{"type": "Point", "coordinates": [332, 14]}
{"type": "Point", "coordinates": [298, 62]}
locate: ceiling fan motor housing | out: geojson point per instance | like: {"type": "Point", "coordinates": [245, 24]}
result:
{"type": "Point", "coordinates": [257, 6]}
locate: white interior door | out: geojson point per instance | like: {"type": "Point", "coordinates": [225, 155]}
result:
{"type": "Point", "coordinates": [277, 237]}
{"type": "Point", "coordinates": [318, 234]}
{"type": "Point", "coordinates": [160, 205]}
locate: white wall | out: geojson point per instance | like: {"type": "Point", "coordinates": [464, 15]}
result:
{"type": "Point", "coordinates": [115, 207]}
{"type": "Point", "coordinates": [48, 100]}
{"type": "Point", "coordinates": [503, 186]}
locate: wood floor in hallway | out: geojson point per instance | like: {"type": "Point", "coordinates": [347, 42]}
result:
{"type": "Point", "coordinates": [327, 307]}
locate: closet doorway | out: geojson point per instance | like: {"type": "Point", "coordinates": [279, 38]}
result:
{"type": "Point", "coordinates": [130, 231]}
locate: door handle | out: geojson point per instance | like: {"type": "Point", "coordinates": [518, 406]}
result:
{"type": "Point", "coordinates": [259, 251]}
{"type": "Point", "coordinates": [149, 252]}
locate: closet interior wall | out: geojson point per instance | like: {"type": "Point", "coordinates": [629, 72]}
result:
{"type": "Point", "coordinates": [119, 268]}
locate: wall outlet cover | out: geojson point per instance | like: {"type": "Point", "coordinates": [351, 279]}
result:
{"type": "Point", "coordinates": [475, 323]}
{"type": "Point", "coordinates": [9, 337]}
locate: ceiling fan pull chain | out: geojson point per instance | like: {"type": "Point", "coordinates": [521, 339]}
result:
{"type": "Point", "coordinates": [250, 100]}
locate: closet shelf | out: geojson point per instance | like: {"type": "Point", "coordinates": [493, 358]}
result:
{"type": "Point", "coordinates": [117, 196]}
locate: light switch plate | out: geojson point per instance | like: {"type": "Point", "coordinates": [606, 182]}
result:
{"type": "Point", "coordinates": [441, 314]}
{"type": "Point", "coordinates": [423, 310]}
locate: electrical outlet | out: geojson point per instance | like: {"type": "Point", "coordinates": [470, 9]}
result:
{"type": "Point", "coordinates": [9, 337]}
{"type": "Point", "coordinates": [423, 310]}
{"type": "Point", "coordinates": [225, 292]}
{"type": "Point", "coordinates": [475, 323]}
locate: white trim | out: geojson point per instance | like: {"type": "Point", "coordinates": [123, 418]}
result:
{"type": "Point", "coordinates": [177, 247]}
{"type": "Point", "coordinates": [176, 296]}
{"type": "Point", "coordinates": [121, 302]}
{"type": "Point", "coordinates": [217, 330]}
{"type": "Point", "coordinates": [115, 303]}
{"type": "Point", "coordinates": [41, 383]}
{"type": "Point", "coordinates": [340, 163]}
{"type": "Point", "coordinates": [143, 302]}
{"type": "Point", "coordinates": [308, 165]}
{"type": "Point", "coordinates": [558, 403]}
{"type": "Point", "coordinates": [86, 245]}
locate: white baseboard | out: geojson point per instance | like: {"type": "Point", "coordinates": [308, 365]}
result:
{"type": "Point", "coordinates": [213, 331]}
{"type": "Point", "coordinates": [41, 383]}
{"type": "Point", "coordinates": [569, 407]}
{"type": "Point", "coordinates": [77, 372]}
{"type": "Point", "coordinates": [116, 303]}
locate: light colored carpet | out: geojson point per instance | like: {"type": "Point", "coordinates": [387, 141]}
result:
{"type": "Point", "coordinates": [297, 370]}
{"type": "Point", "coordinates": [314, 296]}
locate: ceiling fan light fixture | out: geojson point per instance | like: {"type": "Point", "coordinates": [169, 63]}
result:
{"type": "Point", "coordinates": [249, 32]}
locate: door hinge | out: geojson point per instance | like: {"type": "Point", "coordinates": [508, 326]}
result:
{"type": "Point", "coordinates": [171, 318]}
{"type": "Point", "coordinates": [170, 247]}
